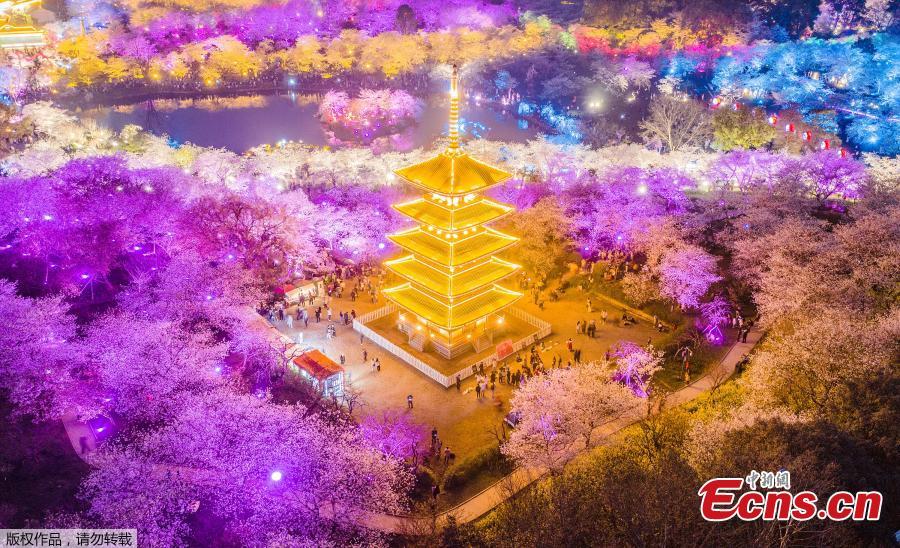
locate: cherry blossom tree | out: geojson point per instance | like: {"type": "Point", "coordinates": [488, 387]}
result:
{"type": "Point", "coordinates": [559, 411]}
{"type": "Point", "coordinates": [686, 274]}
{"type": "Point", "coordinates": [147, 368]}
{"type": "Point", "coordinates": [827, 174]}
{"type": "Point", "coordinates": [635, 367]}
{"type": "Point", "coordinates": [394, 434]}
{"type": "Point", "coordinates": [255, 469]}
{"type": "Point", "coordinates": [35, 362]}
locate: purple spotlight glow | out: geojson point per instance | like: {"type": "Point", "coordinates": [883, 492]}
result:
{"type": "Point", "coordinates": [276, 476]}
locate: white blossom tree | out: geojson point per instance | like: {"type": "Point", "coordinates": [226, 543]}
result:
{"type": "Point", "coordinates": [559, 411]}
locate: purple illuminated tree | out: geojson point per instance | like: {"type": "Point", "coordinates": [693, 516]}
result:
{"type": "Point", "coordinates": [713, 316]}
{"type": "Point", "coordinates": [826, 174]}
{"type": "Point", "coordinates": [635, 367]}
{"type": "Point", "coordinates": [254, 469]}
{"type": "Point", "coordinates": [34, 358]}
{"type": "Point", "coordinates": [394, 434]}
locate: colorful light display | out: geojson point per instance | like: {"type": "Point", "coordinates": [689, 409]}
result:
{"type": "Point", "coordinates": [450, 296]}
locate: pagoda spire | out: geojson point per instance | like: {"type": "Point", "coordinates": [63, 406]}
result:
{"type": "Point", "coordinates": [450, 295]}
{"type": "Point", "coordinates": [454, 110]}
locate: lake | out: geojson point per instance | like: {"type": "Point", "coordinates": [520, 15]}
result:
{"type": "Point", "coordinates": [241, 123]}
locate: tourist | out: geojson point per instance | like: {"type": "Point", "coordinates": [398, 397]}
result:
{"type": "Point", "coordinates": [433, 437]}
{"type": "Point", "coordinates": [290, 321]}
{"type": "Point", "coordinates": [569, 345]}
{"type": "Point", "coordinates": [343, 359]}
{"type": "Point", "coordinates": [329, 313]}
{"type": "Point", "coordinates": [478, 390]}
{"type": "Point", "coordinates": [458, 384]}
{"type": "Point", "coordinates": [318, 314]}
{"type": "Point", "coordinates": [365, 355]}
{"type": "Point", "coordinates": [508, 376]}
{"type": "Point", "coordinates": [409, 401]}
{"type": "Point", "coordinates": [592, 328]}
{"type": "Point", "coordinates": [447, 454]}
{"type": "Point", "coordinates": [577, 355]}
{"type": "Point", "coordinates": [590, 306]}
{"type": "Point", "coordinates": [578, 327]}
{"type": "Point", "coordinates": [603, 316]}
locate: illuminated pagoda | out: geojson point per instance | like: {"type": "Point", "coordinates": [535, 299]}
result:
{"type": "Point", "coordinates": [17, 30]}
{"type": "Point", "coordinates": [450, 298]}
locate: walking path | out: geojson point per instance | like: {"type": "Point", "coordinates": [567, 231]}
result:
{"type": "Point", "coordinates": [488, 499]}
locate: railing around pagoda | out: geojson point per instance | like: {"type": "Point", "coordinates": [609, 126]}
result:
{"type": "Point", "coordinates": [359, 325]}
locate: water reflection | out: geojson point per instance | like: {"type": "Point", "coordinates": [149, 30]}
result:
{"type": "Point", "coordinates": [240, 123]}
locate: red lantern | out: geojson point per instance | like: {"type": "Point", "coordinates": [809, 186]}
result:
{"type": "Point", "coordinates": [773, 119]}
{"type": "Point", "coordinates": [715, 103]}
{"type": "Point", "coordinates": [843, 152]}
{"type": "Point", "coordinates": [807, 135]}
{"type": "Point", "coordinates": [736, 106]}
{"type": "Point", "coordinates": [825, 145]}
{"type": "Point", "coordinates": [789, 128]}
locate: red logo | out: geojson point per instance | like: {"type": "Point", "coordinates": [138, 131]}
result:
{"type": "Point", "coordinates": [722, 499]}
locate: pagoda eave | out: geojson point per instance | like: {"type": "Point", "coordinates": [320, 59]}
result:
{"type": "Point", "coordinates": [451, 316]}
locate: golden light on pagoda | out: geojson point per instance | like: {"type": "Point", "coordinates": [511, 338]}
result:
{"type": "Point", "coordinates": [17, 30]}
{"type": "Point", "coordinates": [450, 266]}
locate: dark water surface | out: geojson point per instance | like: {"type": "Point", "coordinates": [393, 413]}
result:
{"type": "Point", "coordinates": [241, 123]}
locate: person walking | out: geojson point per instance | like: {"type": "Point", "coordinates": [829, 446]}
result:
{"type": "Point", "coordinates": [365, 355]}
{"type": "Point", "coordinates": [290, 321]}
{"type": "Point", "coordinates": [329, 313]}
{"type": "Point", "coordinates": [569, 345]}
{"type": "Point", "coordinates": [478, 390]}
{"type": "Point", "coordinates": [458, 384]}
{"type": "Point", "coordinates": [578, 327]}
{"type": "Point", "coordinates": [409, 402]}
{"type": "Point", "coordinates": [590, 305]}
{"type": "Point", "coordinates": [603, 316]}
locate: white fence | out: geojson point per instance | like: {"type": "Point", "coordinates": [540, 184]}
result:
{"type": "Point", "coordinates": [359, 325]}
{"type": "Point", "coordinates": [544, 329]}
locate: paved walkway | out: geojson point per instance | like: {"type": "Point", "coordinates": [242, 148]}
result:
{"type": "Point", "coordinates": [493, 496]}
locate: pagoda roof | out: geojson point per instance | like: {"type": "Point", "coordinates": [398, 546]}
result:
{"type": "Point", "coordinates": [453, 174]}
{"type": "Point", "coordinates": [450, 316]}
{"type": "Point", "coordinates": [458, 283]}
{"type": "Point", "coordinates": [453, 251]}
{"type": "Point", "coordinates": [444, 217]}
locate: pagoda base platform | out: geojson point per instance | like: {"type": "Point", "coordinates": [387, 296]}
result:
{"type": "Point", "coordinates": [382, 327]}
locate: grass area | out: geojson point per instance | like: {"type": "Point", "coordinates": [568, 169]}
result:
{"type": "Point", "coordinates": [464, 479]}
{"type": "Point", "coordinates": [39, 470]}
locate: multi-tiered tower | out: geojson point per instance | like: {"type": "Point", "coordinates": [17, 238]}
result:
{"type": "Point", "coordinates": [450, 299]}
{"type": "Point", "coordinates": [17, 30]}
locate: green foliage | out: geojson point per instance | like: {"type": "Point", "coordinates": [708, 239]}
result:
{"type": "Point", "coordinates": [740, 129]}
{"type": "Point", "coordinates": [467, 470]}
{"type": "Point", "coordinates": [546, 241]}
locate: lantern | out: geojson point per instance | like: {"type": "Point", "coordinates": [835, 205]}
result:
{"type": "Point", "coordinates": [773, 119]}
{"type": "Point", "coordinates": [807, 135]}
{"type": "Point", "coordinates": [825, 144]}
{"type": "Point", "coordinates": [789, 128]}
{"type": "Point", "coordinates": [843, 152]}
